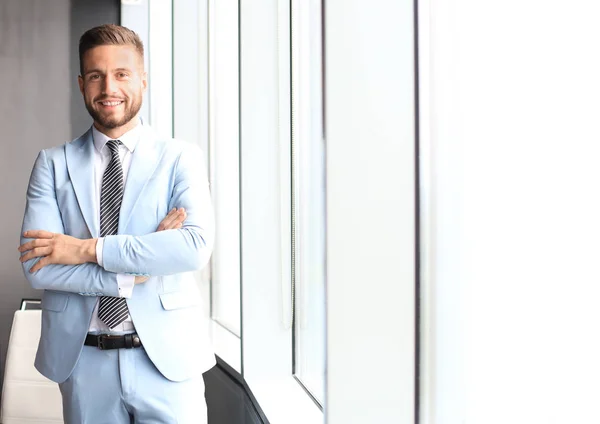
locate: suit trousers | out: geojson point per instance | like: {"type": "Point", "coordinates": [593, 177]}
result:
{"type": "Point", "coordinates": [122, 386]}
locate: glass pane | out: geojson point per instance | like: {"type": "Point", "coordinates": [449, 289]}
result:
{"type": "Point", "coordinates": [224, 153]}
{"type": "Point", "coordinates": [309, 196]}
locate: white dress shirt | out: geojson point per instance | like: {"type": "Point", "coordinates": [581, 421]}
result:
{"type": "Point", "coordinates": [102, 158]}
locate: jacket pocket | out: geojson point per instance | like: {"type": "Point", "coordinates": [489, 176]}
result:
{"type": "Point", "coordinates": [178, 300]}
{"type": "Point", "coordinates": [54, 301]}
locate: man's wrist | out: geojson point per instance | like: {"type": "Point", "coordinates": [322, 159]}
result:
{"type": "Point", "coordinates": [89, 250]}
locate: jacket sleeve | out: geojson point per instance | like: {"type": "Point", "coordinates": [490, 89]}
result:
{"type": "Point", "coordinates": [172, 251]}
{"type": "Point", "coordinates": [42, 213]}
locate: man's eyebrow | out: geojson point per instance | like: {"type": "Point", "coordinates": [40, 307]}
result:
{"type": "Point", "coordinates": [102, 72]}
{"type": "Point", "coordinates": [91, 71]}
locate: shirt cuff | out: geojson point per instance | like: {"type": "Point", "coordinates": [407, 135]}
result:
{"type": "Point", "coordinates": [126, 282]}
{"type": "Point", "coordinates": [99, 247]}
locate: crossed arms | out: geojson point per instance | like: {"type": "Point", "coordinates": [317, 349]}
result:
{"type": "Point", "coordinates": [55, 261]}
{"type": "Point", "coordinates": [56, 248]}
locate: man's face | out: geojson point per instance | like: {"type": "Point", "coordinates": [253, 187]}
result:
{"type": "Point", "coordinates": [112, 84]}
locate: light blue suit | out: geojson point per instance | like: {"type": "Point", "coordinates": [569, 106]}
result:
{"type": "Point", "coordinates": [165, 310]}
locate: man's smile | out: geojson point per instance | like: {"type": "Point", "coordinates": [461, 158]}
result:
{"type": "Point", "coordinates": [110, 104]}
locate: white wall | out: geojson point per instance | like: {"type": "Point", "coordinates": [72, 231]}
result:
{"type": "Point", "coordinates": [512, 150]}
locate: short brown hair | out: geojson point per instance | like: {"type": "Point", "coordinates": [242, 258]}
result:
{"type": "Point", "coordinates": [108, 35]}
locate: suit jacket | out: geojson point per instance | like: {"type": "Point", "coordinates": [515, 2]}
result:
{"type": "Point", "coordinates": [166, 309]}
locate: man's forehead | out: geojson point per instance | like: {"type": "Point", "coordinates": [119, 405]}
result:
{"type": "Point", "coordinates": [112, 52]}
{"type": "Point", "coordinates": [114, 57]}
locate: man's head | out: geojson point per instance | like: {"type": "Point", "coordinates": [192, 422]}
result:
{"type": "Point", "coordinates": [112, 80]}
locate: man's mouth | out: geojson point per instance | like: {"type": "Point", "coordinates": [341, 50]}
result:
{"type": "Point", "coordinates": [111, 103]}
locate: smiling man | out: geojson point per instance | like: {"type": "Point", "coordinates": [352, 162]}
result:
{"type": "Point", "coordinates": [116, 221]}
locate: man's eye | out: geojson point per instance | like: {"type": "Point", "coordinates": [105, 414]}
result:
{"type": "Point", "coordinates": [122, 75]}
{"type": "Point", "coordinates": [94, 77]}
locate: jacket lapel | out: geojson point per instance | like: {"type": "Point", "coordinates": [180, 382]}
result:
{"type": "Point", "coordinates": [80, 165]}
{"type": "Point", "coordinates": [144, 161]}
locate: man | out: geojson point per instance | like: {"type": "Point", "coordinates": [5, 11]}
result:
{"type": "Point", "coordinates": [116, 221]}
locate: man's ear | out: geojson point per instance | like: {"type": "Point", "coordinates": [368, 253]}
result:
{"type": "Point", "coordinates": [80, 81]}
{"type": "Point", "coordinates": [144, 81]}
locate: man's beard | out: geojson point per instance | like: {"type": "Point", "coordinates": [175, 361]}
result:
{"type": "Point", "coordinates": [112, 122]}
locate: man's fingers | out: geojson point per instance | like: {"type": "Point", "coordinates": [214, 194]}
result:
{"type": "Point", "coordinates": [33, 244]}
{"type": "Point", "coordinates": [169, 218]}
{"type": "Point", "coordinates": [172, 220]}
{"type": "Point", "coordinates": [173, 212]}
{"type": "Point", "coordinates": [37, 234]}
{"type": "Point", "coordinates": [35, 253]}
{"type": "Point", "coordinates": [179, 218]}
{"type": "Point", "coordinates": [40, 264]}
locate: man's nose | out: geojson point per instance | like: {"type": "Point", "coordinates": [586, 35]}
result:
{"type": "Point", "coordinates": [110, 85]}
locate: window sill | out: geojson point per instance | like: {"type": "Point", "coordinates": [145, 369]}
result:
{"type": "Point", "coordinates": [227, 345]}
{"type": "Point", "coordinates": [284, 401]}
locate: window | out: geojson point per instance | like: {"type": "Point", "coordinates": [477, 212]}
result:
{"type": "Point", "coordinates": [202, 80]}
{"type": "Point", "coordinates": [232, 94]}
{"type": "Point", "coordinates": [224, 151]}
{"type": "Point", "coordinates": [308, 207]}
{"type": "Point", "coordinates": [247, 87]}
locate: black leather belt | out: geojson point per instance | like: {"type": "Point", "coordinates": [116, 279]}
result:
{"type": "Point", "coordinates": [105, 341]}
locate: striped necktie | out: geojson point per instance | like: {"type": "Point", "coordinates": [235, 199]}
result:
{"type": "Point", "coordinates": [112, 310]}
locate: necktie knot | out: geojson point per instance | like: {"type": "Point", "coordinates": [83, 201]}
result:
{"type": "Point", "coordinates": [113, 146]}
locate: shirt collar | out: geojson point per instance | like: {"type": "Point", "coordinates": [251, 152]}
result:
{"type": "Point", "coordinates": [130, 139]}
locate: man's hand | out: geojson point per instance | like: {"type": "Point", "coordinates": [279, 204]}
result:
{"type": "Point", "coordinates": [56, 249]}
{"type": "Point", "coordinates": [172, 221]}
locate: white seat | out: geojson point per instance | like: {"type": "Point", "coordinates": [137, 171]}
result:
{"type": "Point", "coordinates": [27, 396]}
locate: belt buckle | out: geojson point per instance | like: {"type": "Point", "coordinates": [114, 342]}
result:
{"type": "Point", "coordinates": [102, 338]}
{"type": "Point", "coordinates": [101, 341]}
